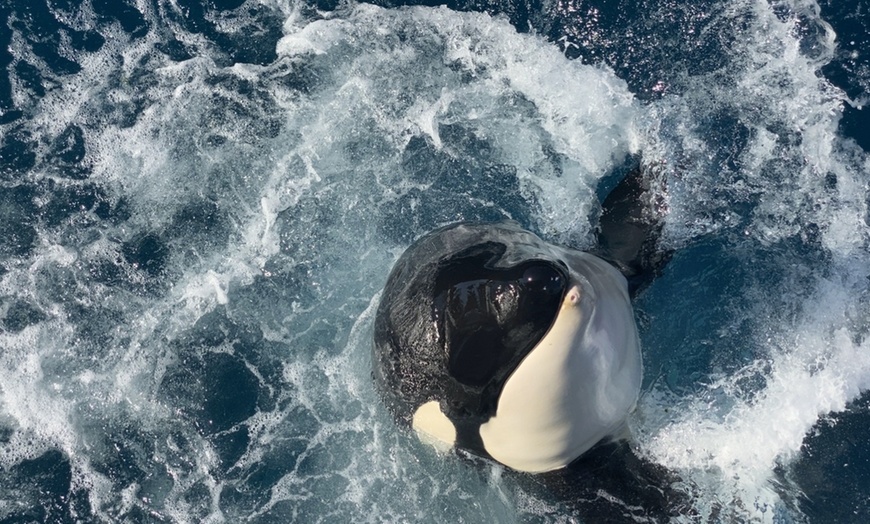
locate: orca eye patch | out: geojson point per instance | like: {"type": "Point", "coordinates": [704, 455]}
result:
{"type": "Point", "coordinates": [489, 318]}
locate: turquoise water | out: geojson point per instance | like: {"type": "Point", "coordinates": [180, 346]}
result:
{"type": "Point", "coordinates": [201, 202]}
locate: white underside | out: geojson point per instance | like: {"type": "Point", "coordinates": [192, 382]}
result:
{"type": "Point", "coordinates": [579, 383]}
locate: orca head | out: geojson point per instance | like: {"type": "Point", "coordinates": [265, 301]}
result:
{"type": "Point", "coordinates": [461, 309]}
{"type": "Point", "coordinates": [489, 339]}
{"type": "Point", "coordinates": [487, 320]}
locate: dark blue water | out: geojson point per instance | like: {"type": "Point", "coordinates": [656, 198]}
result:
{"type": "Point", "coordinates": [200, 202]}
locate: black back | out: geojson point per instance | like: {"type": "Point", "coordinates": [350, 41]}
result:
{"type": "Point", "coordinates": [610, 483]}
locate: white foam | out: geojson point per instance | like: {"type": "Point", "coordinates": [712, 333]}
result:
{"type": "Point", "coordinates": [740, 437]}
{"type": "Point", "coordinates": [524, 99]}
{"type": "Point", "coordinates": [583, 112]}
{"type": "Point", "coordinates": [729, 439]}
{"type": "Point", "coordinates": [38, 413]}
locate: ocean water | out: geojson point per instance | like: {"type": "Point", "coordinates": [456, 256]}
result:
{"type": "Point", "coordinates": [201, 200]}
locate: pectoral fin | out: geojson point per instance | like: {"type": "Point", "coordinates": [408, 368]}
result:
{"type": "Point", "coordinates": [630, 227]}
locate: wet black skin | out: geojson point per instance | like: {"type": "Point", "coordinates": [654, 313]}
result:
{"type": "Point", "coordinates": [467, 302]}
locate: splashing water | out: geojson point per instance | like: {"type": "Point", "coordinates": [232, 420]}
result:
{"type": "Point", "coordinates": [201, 204]}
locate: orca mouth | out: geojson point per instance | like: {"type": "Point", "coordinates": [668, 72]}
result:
{"type": "Point", "coordinates": [488, 318]}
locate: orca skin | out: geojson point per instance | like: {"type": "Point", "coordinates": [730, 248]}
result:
{"type": "Point", "coordinates": [530, 350]}
{"type": "Point", "coordinates": [491, 340]}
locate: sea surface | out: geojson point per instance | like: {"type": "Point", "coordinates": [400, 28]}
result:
{"type": "Point", "coordinates": [200, 201]}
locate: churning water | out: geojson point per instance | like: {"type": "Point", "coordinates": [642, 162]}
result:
{"type": "Point", "coordinates": [200, 202]}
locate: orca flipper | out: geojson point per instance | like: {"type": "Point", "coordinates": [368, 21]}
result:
{"type": "Point", "coordinates": [630, 227]}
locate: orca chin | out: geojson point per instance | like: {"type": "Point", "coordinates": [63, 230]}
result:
{"type": "Point", "coordinates": [489, 339]}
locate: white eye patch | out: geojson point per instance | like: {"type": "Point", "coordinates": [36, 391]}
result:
{"type": "Point", "coordinates": [433, 427]}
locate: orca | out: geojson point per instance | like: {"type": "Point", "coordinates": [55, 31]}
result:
{"type": "Point", "coordinates": [491, 340]}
